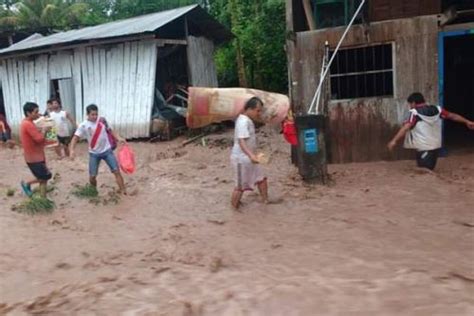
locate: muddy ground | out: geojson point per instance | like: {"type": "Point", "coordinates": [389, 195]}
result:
{"type": "Point", "coordinates": [383, 239]}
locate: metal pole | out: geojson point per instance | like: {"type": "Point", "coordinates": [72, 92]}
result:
{"type": "Point", "coordinates": [318, 90]}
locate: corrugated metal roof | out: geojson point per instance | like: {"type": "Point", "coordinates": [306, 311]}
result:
{"type": "Point", "coordinates": [149, 23]}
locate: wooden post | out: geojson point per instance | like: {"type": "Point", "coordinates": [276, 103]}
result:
{"type": "Point", "coordinates": [309, 15]}
{"type": "Point", "coordinates": [311, 150]}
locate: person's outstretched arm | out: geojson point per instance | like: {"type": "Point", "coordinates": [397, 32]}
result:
{"type": "Point", "coordinates": [400, 134]}
{"type": "Point", "coordinates": [460, 119]}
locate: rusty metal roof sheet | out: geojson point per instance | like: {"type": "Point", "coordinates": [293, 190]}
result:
{"type": "Point", "coordinates": [145, 24]}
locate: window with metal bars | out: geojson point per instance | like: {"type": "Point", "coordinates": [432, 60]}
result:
{"type": "Point", "coordinates": [362, 72]}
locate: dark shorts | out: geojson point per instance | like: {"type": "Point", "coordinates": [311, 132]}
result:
{"type": "Point", "coordinates": [40, 171]}
{"type": "Point", "coordinates": [427, 158]}
{"type": "Point", "coordinates": [5, 136]}
{"type": "Point", "coordinates": [64, 140]}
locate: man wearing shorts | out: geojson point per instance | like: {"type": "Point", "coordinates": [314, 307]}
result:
{"type": "Point", "coordinates": [422, 130]}
{"type": "Point", "coordinates": [244, 160]}
{"type": "Point", "coordinates": [33, 148]}
{"type": "Point", "coordinates": [96, 130]}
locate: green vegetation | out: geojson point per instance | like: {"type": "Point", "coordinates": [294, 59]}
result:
{"type": "Point", "coordinates": [35, 205]}
{"type": "Point", "coordinates": [86, 191]}
{"type": "Point", "coordinates": [255, 58]}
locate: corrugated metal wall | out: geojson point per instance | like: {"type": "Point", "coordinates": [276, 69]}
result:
{"type": "Point", "coordinates": [360, 128]}
{"type": "Point", "coordinates": [120, 79]}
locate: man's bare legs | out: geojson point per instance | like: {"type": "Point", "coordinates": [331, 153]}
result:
{"type": "Point", "coordinates": [235, 200]}
{"type": "Point", "coordinates": [43, 188]}
{"type": "Point", "coordinates": [93, 181]}
{"type": "Point", "coordinates": [58, 150]}
{"type": "Point", "coordinates": [263, 189]}
{"type": "Point", "coordinates": [66, 151]}
{"type": "Point", "coordinates": [33, 181]}
{"type": "Point", "coordinates": [120, 182]}
{"type": "Point", "coordinates": [118, 179]}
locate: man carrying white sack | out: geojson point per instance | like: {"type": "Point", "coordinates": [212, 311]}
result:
{"type": "Point", "coordinates": [244, 159]}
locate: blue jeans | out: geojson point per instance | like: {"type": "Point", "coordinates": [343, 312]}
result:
{"type": "Point", "coordinates": [108, 157]}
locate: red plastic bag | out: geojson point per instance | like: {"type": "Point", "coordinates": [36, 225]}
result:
{"type": "Point", "coordinates": [289, 132]}
{"type": "Point", "coordinates": [126, 159]}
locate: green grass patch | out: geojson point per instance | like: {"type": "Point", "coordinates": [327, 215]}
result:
{"type": "Point", "coordinates": [35, 205]}
{"type": "Point", "coordinates": [85, 191]}
{"type": "Point", "coordinates": [10, 192]}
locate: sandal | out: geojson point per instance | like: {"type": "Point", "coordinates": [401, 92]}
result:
{"type": "Point", "coordinates": [26, 189]}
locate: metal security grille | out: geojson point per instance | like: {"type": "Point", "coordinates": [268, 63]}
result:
{"type": "Point", "coordinates": [362, 72]}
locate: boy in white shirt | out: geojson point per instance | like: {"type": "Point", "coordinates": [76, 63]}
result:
{"type": "Point", "coordinates": [61, 119]}
{"type": "Point", "coordinates": [96, 131]}
{"type": "Point", "coordinates": [244, 158]}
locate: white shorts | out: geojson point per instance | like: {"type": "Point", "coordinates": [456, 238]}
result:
{"type": "Point", "coordinates": [247, 175]}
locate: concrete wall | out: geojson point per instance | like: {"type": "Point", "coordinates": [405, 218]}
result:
{"type": "Point", "coordinates": [360, 128]}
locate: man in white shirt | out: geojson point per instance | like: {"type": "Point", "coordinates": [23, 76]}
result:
{"type": "Point", "coordinates": [244, 158]}
{"type": "Point", "coordinates": [97, 133]}
{"type": "Point", "coordinates": [423, 130]}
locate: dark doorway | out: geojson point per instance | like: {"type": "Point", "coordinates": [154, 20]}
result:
{"type": "Point", "coordinates": [2, 103]}
{"type": "Point", "coordinates": [459, 89]}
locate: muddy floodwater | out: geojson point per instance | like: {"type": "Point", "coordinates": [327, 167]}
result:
{"type": "Point", "coordinates": [382, 239]}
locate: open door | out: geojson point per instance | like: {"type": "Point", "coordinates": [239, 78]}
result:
{"type": "Point", "coordinates": [63, 89]}
{"type": "Point", "coordinates": [457, 86]}
{"type": "Point", "coordinates": [2, 103]}
{"type": "Point", "coordinates": [68, 99]}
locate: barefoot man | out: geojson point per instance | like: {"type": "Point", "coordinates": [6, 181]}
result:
{"type": "Point", "coordinates": [95, 130]}
{"type": "Point", "coordinates": [422, 130]}
{"type": "Point", "coordinates": [244, 157]}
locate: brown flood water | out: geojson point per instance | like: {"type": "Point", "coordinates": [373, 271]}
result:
{"type": "Point", "coordinates": [383, 239]}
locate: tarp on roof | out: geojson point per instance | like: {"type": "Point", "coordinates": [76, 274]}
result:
{"type": "Point", "coordinates": [144, 24]}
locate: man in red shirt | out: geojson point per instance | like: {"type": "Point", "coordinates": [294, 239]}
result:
{"type": "Point", "coordinates": [33, 148]}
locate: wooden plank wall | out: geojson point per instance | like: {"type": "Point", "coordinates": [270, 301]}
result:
{"type": "Point", "coordinates": [380, 10]}
{"type": "Point", "coordinates": [360, 128]}
{"type": "Point", "coordinates": [24, 80]}
{"type": "Point", "coordinates": [60, 65]}
{"type": "Point", "coordinates": [202, 69]}
{"type": "Point", "coordinates": [119, 79]}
